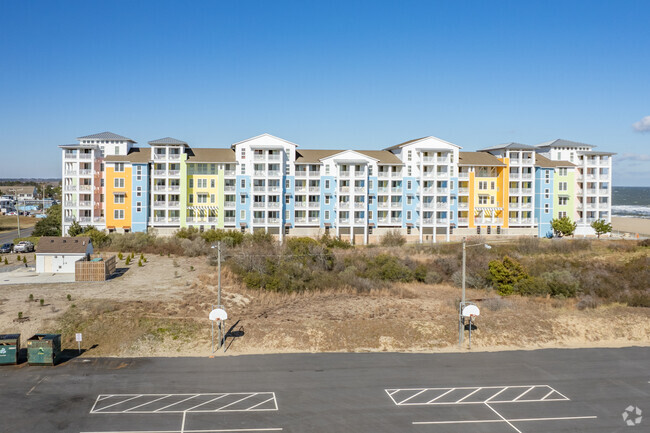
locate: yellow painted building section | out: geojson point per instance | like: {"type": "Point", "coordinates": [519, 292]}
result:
{"type": "Point", "coordinates": [472, 187]}
{"type": "Point", "coordinates": [209, 190]}
{"type": "Point", "coordinates": [110, 198]}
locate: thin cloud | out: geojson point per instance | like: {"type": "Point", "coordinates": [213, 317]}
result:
{"type": "Point", "coordinates": [642, 125]}
{"type": "Point", "coordinates": [634, 157]}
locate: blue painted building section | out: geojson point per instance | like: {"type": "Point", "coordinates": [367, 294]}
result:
{"type": "Point", "coordinates": [289, 183]}
{"type": "Point", "coordinates": [544, 200]}
{"type": "Point", "coordinates": [372, 200]}
{"type": "Point", "coordinates": [246, 182]}
{"type": "Point", "coordinates": [453, 205]}
{"type": "Point", "coordinates": [139, 197]}
{"type": "Point", "coordinates": [328, 189]}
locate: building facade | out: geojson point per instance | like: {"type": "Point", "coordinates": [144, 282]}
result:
{"type": "Point", "coordinates": [426, 188]}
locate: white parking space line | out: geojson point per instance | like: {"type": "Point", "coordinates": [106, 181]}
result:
{"type": "Point", "coordinates": [144, 404]}
{"type": "Point", "coordinates": [119, 402]}
{"type": "Point", "coordinates": [524, 393]}
{"type": "Point", "coordinates": [178, 402]}
{"type": "Point", "coordinates": [480, 421]}
{"type": "Point", "coordinates": [191, 431]}
{"type": "Point", "coordinates": [441, 395]}
{"type": "Point", "coordinates": [502, 417]}
{"type": "Point", "coordinates": [468, 395]}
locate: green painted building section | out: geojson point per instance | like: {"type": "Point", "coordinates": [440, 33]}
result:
{"type": "Point", "coordinates": [192, 177]}
{"type": "Point", "coordinates": [220, 199]}
{"type": "Point", "coordinates": [569, 179]}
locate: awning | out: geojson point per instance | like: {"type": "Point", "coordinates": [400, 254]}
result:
{"type": "Point", "coordinates": [409, 224]}
{"type": "Point", "coordinates": [203, 207]}
{"type": "Point", "coordinates": [489, 209]}
{"type": "Point", "coordinates": [127, 227]}
{"type": "Point", "coordinates": [110, 227]}
{"type": "Point", "coordinates": [242, 224]}
{"type": "Point", "coordinates": [371, 225]}
{"type": "Point", "coordinates": [328, 225]}
{"type": "Point", "coordinates": [119, 193]}
{"type": "Point", "coordinates": [287, 224]}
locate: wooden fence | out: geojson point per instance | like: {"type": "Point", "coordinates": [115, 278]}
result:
{"type": "Point", "coordinates": [95, 271]}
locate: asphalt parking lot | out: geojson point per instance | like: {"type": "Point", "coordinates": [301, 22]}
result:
{"type": "Point", "coordinates": [581, 390]}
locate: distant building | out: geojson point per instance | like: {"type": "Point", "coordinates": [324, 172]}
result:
{"type": "Point", "coordinates": [59, 254]}
{"type": "Point", "coordinates": [19, 193]}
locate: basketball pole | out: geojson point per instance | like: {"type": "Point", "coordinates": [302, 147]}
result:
{"type": "Point", "coordinates": [461, 332]}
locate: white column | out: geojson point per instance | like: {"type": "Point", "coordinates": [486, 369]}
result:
{"type": "Point", "coordinates": [421, 186]}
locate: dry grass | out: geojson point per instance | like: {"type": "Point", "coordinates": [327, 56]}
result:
{"type": "Point", "coordinates": [8, 222]}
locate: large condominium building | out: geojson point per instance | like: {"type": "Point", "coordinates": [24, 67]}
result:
{"type": "Point", "coordinates": [426, 188]}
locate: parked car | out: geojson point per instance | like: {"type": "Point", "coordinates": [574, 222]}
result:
{"type": "Point", "coordinates": [7, 248]}
{"type": "Point", "coordinates": [24, 247]}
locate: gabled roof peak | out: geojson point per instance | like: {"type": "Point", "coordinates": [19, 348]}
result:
{"type": "Point", "coordinates": [559, 142]}
{"type": "Point", "coordinates": [266, 134]}
{"type": "Point", "coordinates": [168, 141]}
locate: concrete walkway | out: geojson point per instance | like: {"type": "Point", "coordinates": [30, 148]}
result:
{"type": "Point", "coordinates": [29, 276]}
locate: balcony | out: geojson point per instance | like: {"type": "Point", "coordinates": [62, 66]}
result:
{"type": "Point", "coordinates": [514, 175]}
{"type": "Point", "coordinates": [160, 187]}
{"type": "Point", "coordinates": [514, 191]}
{"type": "Point", "coordinates": [442, 190]}
{"type": "Point", "coordinates": [383, 174]}
{"type": "Point", "coordinates": [313, 220]}
{"type": "Point", "coordinates": [259, 188]}
{"type": "Point", "coordinates": [229, 172]}
{"type": "Point", "coordinates": [442, 174]}
{"type": "Point", "coordinates": [396, 220]}
{"type": "Point", "coordinates": [526, 175]}
{"type": "Point", "coordinates": [70, 156]}
{"type": "Point", "coordinates": [300, 204]}
{"type": "Point", "coordinates": [526, 190]}
{"type": "Point", "coordinates": [463, 221]}
{"type": "Point", "coordinates": [273, 220]}
{"type": "Point", "coordinates": [174, 188]}
{"type": "Point", "coordinates": [229, 204]}
{"type": "Point", "coordinates": [314, 204]}
{"type": "Point", "coordinates": [259, 204]}
{"type": "Point", "coordinates": [259, 220]}
{"type": "Point", "coordinates": [68, 219]}
{"type": "Point", "coordinates": [85, 172]}
{"type": "Point", "coordinates": [229, 188]}
{"type": "Point", "coordinates": [85, 156]}
{"type": "Point", "coordinates": [314, 189]}
{"type": "Point", "coordinates": [314, 173]}
{"type": "Point", "coordinates": [345, 189]}
{"type": "Point", "coordinates": [383, 220]}
{"type": "Point", "coordinates": [273, 188]}
{"type": "Point", "coordinates": [463, 175]}
{"type": "Point", "coordinates": [397, 190]}
{"type": "Point", "coordinates": [442, 206]}
{"type": "Point", "coordinates": [396, 204]}
{"type": "Point", "coordinates": [174, 203]}
{"type": "Point", "coordinates": [85, 187]}
{"type": "Point", "coordinates": [174, 219]}
{"type": "Point", "coordinates": [442, 220]}
{"type": "Point", "coordinates": [344, 220]}
{"type": "Point", "coordinates": [463, 205]}
{"type": "Point", "coordinates": [70, 203]}
{"type": "Point", "coordinates": [359, 174]}
{"type": "Point", "coordinates": [428, 173]}
{"type": "Point", "coordinates": [382, 205]}
{"type": "Point", "coordinates": [259, 172]}
{"type": "Point", "coordinates": [71, 172]}
{"type": "Point", "coordinates": [301, 173]}
{"type": "Point", "coordinates": [275, 173]}
{"type": "Point", "coordinates": [159, 156]}
{"type": "Point", "coordinates": [526, 205]}
{"type": "Point", "coordinates": [85, 219]}
{"type": "Point", "coordinates": [85, 203]}
{"type": "Point", "coordinates": [99, 219]}
{"type": "Point", "coordinates": [259, 157]}
{"type": "Point", "coordinates": [159, 172]}
{"type": "Point", "coordinates": [428, 205]}
{"type": "Point", "coordinates": [162, 219]}
{"type": "Point", "coordinates": [428, 158]}
{"type": "Point", "coordinates": [70, 188]}
{"type": "Point", "coordinates": [359, 220]}
{"type": "Point", "coordinates": [174, 156]}
{"type": "Point", "coordinates": [159, 204]}
{"type": "Point", "coordinates": [463, 190]}
{"type": "Point", "coordinates": [274, 156]}
{"type": "Point", "coordinates": [229, 220]}
{"type": "Point", "coordinates": [274, 204]}
{"type": "Point", "coordinates": [359, 205]}
{"type": "Point", "coordinates": [343, 173]}
{"type": "Point", "coordinates": [300, 220]}
{"type": "Point", "coordinates": [174, 172]}
{"type": "Point", "coordinates": [344, 205]}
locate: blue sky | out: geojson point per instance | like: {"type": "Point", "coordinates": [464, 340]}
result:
{"type": "Point", "coordinates": [326, 74]}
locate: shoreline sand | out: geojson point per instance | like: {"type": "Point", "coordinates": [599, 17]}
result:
{"type": "Point", "coordinates": [631, 225]}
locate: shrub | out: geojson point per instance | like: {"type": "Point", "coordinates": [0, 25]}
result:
{"type": "Point", "coordinates": [388, 268]}
{"type": "Point", "coordinates": [420, 273]}
{"type": "Point", "coordinates": [18, 258]}
{"type": "Point", "coordinates": [128, 260]}
{"type": "Point", "coordinates": [230, 238]}
{"type": "Point", "coordinates": [187, 233]}
{"type": "Point", "coordinates": [42, 302]}
{"type": "Point", "coordinates": [504, 274]}
{"type": "Point", "coordinates": [531, 287]}
{"type": "Point", "coordinates": [563, 226]}
{"type": "Point", "coordinates": [433, 277]}
{"type": "Point", "coordinates": [31, 297]}
{"type": "Point", "coordinates": [561, 283]}
{"type": "Point", "coordinates": [644, 243]}
{"type": "Point", "coordinates": [140, 263]}
{"type": "Point", "coordinates": [393, 238]}
{"type": "Point", "coordinates": [331, 242]}
{"type": "Point", "coordinates": [194, 247]}
{"type": "Point", "coordinates": [24, 259]}
{"type": "Point", "coordinates": [120, 255]}
{"type": "Point", "coordinates": [601, 227]}
{"type": "Point", "coordinates": [20, 314]}
{"type": "Point", "coordinates": [69, 297]}
{"type": "Point", "coordinates": [6, 262]}
{"type": "Point", "coordinates": [97, 237]}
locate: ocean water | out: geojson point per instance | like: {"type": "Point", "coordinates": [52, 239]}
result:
{"type": "Point", "coordinates": [631, 201]}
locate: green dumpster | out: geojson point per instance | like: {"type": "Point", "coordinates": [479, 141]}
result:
{"type": "Point", "coordinates": [43, 349]}
{"type": "Point", "coordinates": [9, 348]}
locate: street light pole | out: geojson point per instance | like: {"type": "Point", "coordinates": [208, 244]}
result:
{"type": "Point", "coordinates": [461, 334]}
{"type": "Point", "coordinates": [17, 211]}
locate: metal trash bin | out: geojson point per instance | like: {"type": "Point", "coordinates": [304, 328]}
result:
{"type": "Point", "coordinates": [43, 349]}
{"type": "Point", "coordinates": [9, 348]}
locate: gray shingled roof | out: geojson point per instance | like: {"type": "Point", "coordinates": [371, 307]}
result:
{"type": "Point", "coordinates": [405, 143]}
{"type": "Point", "coordinates": [106, 136]}
{"type": "Point", "coordinates": [168, 140]}
{"type": "Point", "coordinates": [563, 143]}
{"type": "Point", "coordinates": [511, 145]}
{"type": "Point", "coordinates": [198, 154]}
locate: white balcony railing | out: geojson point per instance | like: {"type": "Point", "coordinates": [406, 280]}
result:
{"type": "Point", "coordinates": [85, 203]}
{"type": "Point", "coordinates": [70, 188]}
{"type": "Point", "coordinates": [274, 204]}
{"type": "Point", "coordinates": [229, 204]}
{"type": "Point", "coordinates": [229, 188]}
{"type": "Point", "coordinates": [71, 172]}
{"type": "Point", "coordinates": [70, 204]}
{"type": "Point", "coordinates": [174, 156]}
{"type": "Point", "coordinates": [314, 204]}
{"type": "Point", "coordinates": [259, 220]}
{"type": "Point", "coordinates": [463, 221]}
{"type": "Point", "coordinates": [463, 205]}
{"type": "Point", "coordinates": [160, 187]}
{"type": "Point", "coordinates": [159, 172]}
{"type": "Point", "coordinates": [174, 188]}
{"type": "Point", "coordinates": [229, 172]}
{"type": "Point", "coordinates": [85, 188]}
{"type": "Point", "coordinates": [85, 156]}
{"type": "Point", "coordinates": [259, 188]}
{"type": "Point", "coordinates": [85, 219]}
{"type": "Point", "coordinates": [174, 203]}
{"type": "Point", "coordinates": [274, 173]}
{"type": "Point", "coordinates": [174, 172]}
{"type": "Point", "coordinates": [229, 220]}
{"type": "Point", "coordinates": [85, 172]}
{"type": "Point", "coordinates": [359, 205]}
{"type": "Point", "coordinates": [301, 173]}
{"type": "Point", "coordinates": [159, 204]}
{"type": "Point", "coordinates": [159, 156]}
{"type": "Point", "coordinates": [259, 204]}
{"type": "Point", "coordinates": [344, 173]}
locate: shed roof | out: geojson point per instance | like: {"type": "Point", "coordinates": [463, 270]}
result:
{"type": "Point", "coordinates": [210, 155]}
{"type": "Point", "coordinates": [136, 154]}
{"type": "Point", "coordinates": [479, 158]}
{"type": "Point", "coordinates": [67, 245]}
{"type": "Point", "coordinates": [544, 162]}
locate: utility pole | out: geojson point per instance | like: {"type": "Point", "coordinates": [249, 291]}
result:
{"type": "Point", "coordinates": [219, 284]}
{"type": "Point", "coordinates": [17, 211]}
{"type": "Point", "coordinates": [461, 331]}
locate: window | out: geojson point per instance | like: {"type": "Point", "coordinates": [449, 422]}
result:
{"type": "Point", "coordinates": [370, 184]}
{"type": "Point", "coordinates": [491, 185]}
{"type": "Point", "coordinates": [243, 184]}
{"type": "Point", "coordinates": [482, 185]}
{"type": "Point", "coordinates": [242, 215]}
{"type": "Point", "coordinates": [242, 199]}
{"type": "Point", "coordinates": [118, 214]}
{"type": "Point", "coordinates": [409, 200]}
{"type": "Point", "coordinates": [212, 183]}
{"type": "Point", "coordinates": [243, 153]}
{"type": "Point", "coordinates": [287, 184]}
{"type": "Point", "coordinates": [369, 214]}
{"type": "Point", "coordinates": [563, 171]}
{"type": "Point", "coordinates": [119, 182]}
{"type": "Point", "coordinates": [287, 169]}
{"type": "Point", "coordinates": [117, 150]}
{"type": "Point", "coordinates": [327, 214]}
{"type": "Point", "coordinates": [546, 208]}
{"type": "Point", "coordinates": [138, 206]}
{"type": "Point", "coordinates": [370, 170]}
{"type": "Point", "coordinates": [287, 215]}
{"type": "Point", "coordinates": [102, 182]}
{"type": "Point", "coordinates": [118, 199]}
{"type": "Point", "coordinates": [327, 169]}
{"type": "Point", "coordinates": [191, 183]}
{"type": "Point", "coordinates": [547, 176]}
{"type": "Point", "coordinates": [408, 184]}
{"type": "Point", "coordinates": [243, 169]}
{"type": "Point", "coordinates": [212, 198]}
{"type": "Point", "coordinates": [409, 170]}
{"type": "Point", "coordinates": [547, 193]}
{"type": "Point", "coordinates": [483, 199]}
{"type": "Point", "coordinates": [563, 186]}
{"type": "Point", "coordinates": [191, 197]}
{"type": "Point", "coordinates": [408, 214]}
{"type": "Point", "coordinates": [561, 214]}
{"type": "Point", "coordinates": [408, 156]}
{"type": "Point", "coordinates": [287, 199]}
{"type": "Point", "coordinates": [327, 184]}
